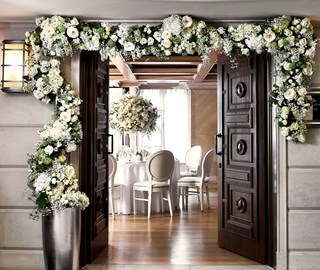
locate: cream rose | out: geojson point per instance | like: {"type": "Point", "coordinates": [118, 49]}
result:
{"type": "Point", "coordinates": [186, 21]}
{"type": "Point", "coordinates": [166, 43]}
{"type": "Point", "coordinates": [285, 131]}
{"type": "Point", "coordinates": [269, 36]}
{"type": "Point", "coordinates": [71, 147]}
{"type": "Point", "coordinates": [290, 94]}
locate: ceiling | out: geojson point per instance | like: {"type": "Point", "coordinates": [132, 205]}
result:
{"type": "Point", "coordinates": [152, 73]}
{"type": "Point", "coordinates": [158, 9]}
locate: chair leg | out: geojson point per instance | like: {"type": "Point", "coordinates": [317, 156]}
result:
{"type": "Point", "coordinates": [169, 202]}
{"type": "Point", "coordinates": [187, 199]}
{"type": "Point", "coordinates": [178, 197]}
{"type": "Point", "coordinates": [149, 203]}
{"type": "Point", "coordinates": [162, 206]}
{"type": "Point", "coordinates": [201, 198]}
{"type": "Point", "coordinates": [183, 190]}
{"type": "Point", "coordinates": [207, 191]}
{"type": "Point", "coordinates": [112, 203]}
{"type": "Point", "coordinates": [134, 201]}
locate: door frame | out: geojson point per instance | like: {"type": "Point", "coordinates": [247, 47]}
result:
{"type": "Point", "coordinates": [273, 168]}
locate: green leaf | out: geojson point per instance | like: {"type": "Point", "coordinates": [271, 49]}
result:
{"type": "Point", "coordinates": [42, 200]}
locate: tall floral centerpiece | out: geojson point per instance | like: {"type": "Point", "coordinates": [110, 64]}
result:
{"type": "Point", "coordinates": [133, 114]}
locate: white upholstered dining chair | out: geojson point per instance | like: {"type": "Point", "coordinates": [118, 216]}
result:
{"type": "Point", "coordinates": [159, 167]}
{"type": "Point", "coordinates": [114, 189]}
{"type": "Point", "coordinates": [193, 161]}
{"type": "Point", "coordinates": [196, 185]}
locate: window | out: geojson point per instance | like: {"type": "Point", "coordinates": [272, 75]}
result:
{"type": "Point", "coordinates": [174, 124]}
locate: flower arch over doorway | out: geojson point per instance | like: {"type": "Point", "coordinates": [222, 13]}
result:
{"type": "Point", "coordinates": [290, 40]}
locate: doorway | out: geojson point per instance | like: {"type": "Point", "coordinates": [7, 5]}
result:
{"type": "Point", "coordinates": [97, 200]}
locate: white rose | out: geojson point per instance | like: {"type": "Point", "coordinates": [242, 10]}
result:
{"type": "Point", "coordinates": [167, 52]}
{"type": "Point", "coordinates": [150, 41]}
{"type": "Point", "coordinates": [114, 38]}
{"type": "Point", "coordinates": [74, 118]}
{"type": "Point", "coordinates": [71, 147]}
{"type": "Point", "coordinates": [287, 66]}
{"type": "Point", "coordinates": [186, 21]}
{"type": "Point", "coordinates": [157, 36]}
{"type": "Point", "coordinates": [129, 46]}
{"type": "Point", "coordinates": [301, 138]}
{"type": "Point", "coordinates": [74, 21]}
{"type": "Point", "coordinates": [201, 24]}
{"type": "Point", "coordinates": [65, 116]}
{"type": "Point", "coordinates": [285, 131]}
{"type": "Point", "coordinates": [143, 41]}
{"type": "Point", "coordinates": [48, 31]}
{"type": "Point", "coordinates": [166, 43]}
{"type": "Point", "coordinates": [72, 32]}
{"type": "Point", "coordinates": [302, 91]}
{"type": "Point", "coordinates": [285, 109]}
{"type": "Point", "coordinates": [48, 150]}
{"type": "Point", "coordinates": [166, 35]}
{"type": "Point", "coordinates": [308, 70]}
{"type": "Point", "coordinates": [70, 171]}
{"type": "Point", "coordinates": [306, 22]}
{"type": "Point", "coordinates": [290, 94]}
{"type": "Point", "coordinates": [303, 42]}
{"type": "Point", "coordinates": [285, 112]}
{"type": "Point", "coordinates": [294, 126]}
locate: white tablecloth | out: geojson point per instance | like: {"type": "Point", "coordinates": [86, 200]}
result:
{"type": "Point", "coordinates": [131, 172]}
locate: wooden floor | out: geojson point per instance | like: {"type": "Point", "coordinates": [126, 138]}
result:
{"type": "Point", "coordinates": [188, 238]}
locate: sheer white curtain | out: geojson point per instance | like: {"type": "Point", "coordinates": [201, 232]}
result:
{"type": "Point", "coordinates": [174, 126]}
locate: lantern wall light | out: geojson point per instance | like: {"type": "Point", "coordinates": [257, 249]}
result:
{"type": "Point", "coordinates": [15, 53]}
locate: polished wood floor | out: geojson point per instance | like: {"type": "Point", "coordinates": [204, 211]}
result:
{"type": "Point", "coordinates": [189, 237]}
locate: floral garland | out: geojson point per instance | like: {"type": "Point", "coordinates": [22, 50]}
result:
{"type": "Point", "coordinates": [290, 40]}
{"type": "Point", "coordinates": [132, 113]}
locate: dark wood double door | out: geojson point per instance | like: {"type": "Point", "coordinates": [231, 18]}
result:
{"type": "Point", "coordinates": [241, 148]}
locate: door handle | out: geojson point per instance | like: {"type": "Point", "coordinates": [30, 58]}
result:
{"type": "Point", "coordinates": [219, 153]}
{"type": "Point", "coordinates": [110, 144]}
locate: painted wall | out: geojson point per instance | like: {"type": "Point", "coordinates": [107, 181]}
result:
{"type": "Point", "coordinates": [299, 198]}
{"type": "Point", "coordinates": [21, 117]}
{"type": "Point", "coordinates": [204, 121]}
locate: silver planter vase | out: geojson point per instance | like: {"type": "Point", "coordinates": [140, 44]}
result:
{"type": "Point", "coordinates": [61, 239]}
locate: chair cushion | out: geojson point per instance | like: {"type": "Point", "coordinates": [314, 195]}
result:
{"type": "Point", "coordinates": [154, 184]}
{"type": "Point", "coordinates": [187, 180]}
{"type": "Point", "coordinates": [187, 173]}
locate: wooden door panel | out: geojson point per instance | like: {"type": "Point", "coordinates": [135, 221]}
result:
{"type": "Point", "coordinates": [94, 85]}
{"type": "Point", "coordinates": [242, 175]}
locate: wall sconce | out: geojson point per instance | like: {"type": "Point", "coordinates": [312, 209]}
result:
{"type": "Point", "coordinates": [15, 53]}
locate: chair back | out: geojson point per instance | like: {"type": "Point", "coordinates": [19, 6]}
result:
{"type": "Point", "coordinates": [112, 169]}
{"type": "Point", "coordinates": [193, 158]}
{"type": "Point", "coordinates": [207, 164]}
{"type": "Point", "coordinates": [160, 166]}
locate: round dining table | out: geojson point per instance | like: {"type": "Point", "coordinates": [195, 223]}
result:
{"type": "Point", "coordinates": [130, 172]}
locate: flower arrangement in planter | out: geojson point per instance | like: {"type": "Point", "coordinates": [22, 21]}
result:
{"type": "Point", "coordinates": [132, 114]}
{"type": "Point", "coordinates": [52, 182]}
{"type": "Point", "coordinates": [290, 40]}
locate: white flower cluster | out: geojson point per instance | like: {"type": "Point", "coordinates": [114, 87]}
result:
{"type": "Point", "coordinates": [179, 35]}
{"type": "Point", "coordinates": [132, 113]}
{"type": "Point", "coordinates": [56, 189]}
